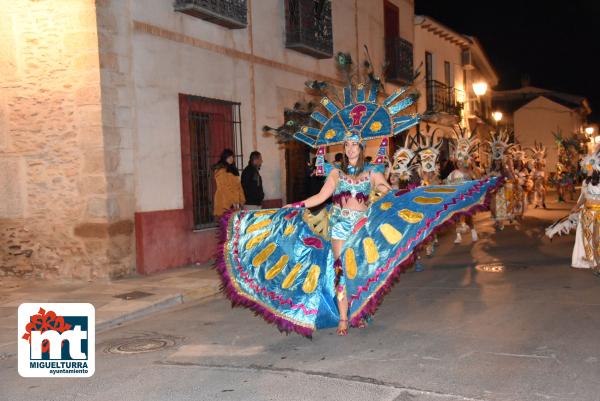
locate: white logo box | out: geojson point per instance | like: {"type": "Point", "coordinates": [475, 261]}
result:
{"type": "Point", "coordinates": [81, 364]}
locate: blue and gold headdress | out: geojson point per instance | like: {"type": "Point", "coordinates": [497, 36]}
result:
{"type": "Point", "coordinates": [361, 118]}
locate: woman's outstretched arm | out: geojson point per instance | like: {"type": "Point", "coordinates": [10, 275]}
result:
{"type": "Point", "coordinates": [326, 191]}
{"type": "Point", "coordinates": [380, 183]}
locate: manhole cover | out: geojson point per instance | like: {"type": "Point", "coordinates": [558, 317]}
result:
{"type": "Point", "coordinates": [140, 345]}
{"type": "Point", "coordinates": [133, 295]}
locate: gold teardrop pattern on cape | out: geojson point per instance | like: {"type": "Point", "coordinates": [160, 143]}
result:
{"type": "Point", "coordinates": [410, 217]}
{"type": "Point", "coordinates": [370, 250]}
{"type": "Point", "coordinates": [390, 234]}
{"type": "Point", "coordinates": [277, 267]}
{"type": "Point", "coordinates": [440, 190]}
{"type": "Point", "coordinates": [258, 226]}
{"type": "Point", "coordinates": [386, 205]}
{"type": "Point", "coordinates": [265, 212]}
{"type": "Point", "coordinates": [263, 255]}
{"type": "Point", "coordinates": [350, 263]}
{"type": "Point", "coordinates": [312, 279]}
{"type": "Point", "coordinates": [289, 230]}
{"type": "Point", "coordinates": [289, 279]}
{"type": "Point", "coordinates": [423, 200]}
{"type": "Point", "coordinates": [257, 240]}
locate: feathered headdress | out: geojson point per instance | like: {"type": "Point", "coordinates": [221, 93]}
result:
{"type": "Point", "coordinates": [405, 160]}
{"type": "Point", "coordinates": [360, 118]}
{"type": "Point", "coordinates": [499, 144]}
{"type": "Point", "coordinates": [538, 152]}
{"type": "Point", "coordinates": [465, 144]}
{"type": "Point", "coordinates": [429, 151]}
{"type": "Point", "coordinates": [591, 162]}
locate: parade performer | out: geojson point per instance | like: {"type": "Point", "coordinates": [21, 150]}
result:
{"type": "Point", "coordinates": [463, 149]}
{"type": "Point", "coordinates": [539, 176]}
{"type": "Point", "coordinates": [501, 166]}
{"type": "Point", "coordinates": [585, 216]}
{"type": "Point", "coordinates": [304, 272]}
{"type": "Point", "coordinates": [586, 251]}
{"type": "Point", "coordinates": [429, 171]}
{"type": "Point", "coordinates": [404, 170]}
{"type": "Point", "coordinates": [521, 177]}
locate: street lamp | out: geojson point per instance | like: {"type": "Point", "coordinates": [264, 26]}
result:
{"type": "Point", "coordinates": [497, 116]}
{"type": "Point", "coordinates": [480, 88]}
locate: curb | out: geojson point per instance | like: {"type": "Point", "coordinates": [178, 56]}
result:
{"type": "Point", "coordinates": [159, 306]}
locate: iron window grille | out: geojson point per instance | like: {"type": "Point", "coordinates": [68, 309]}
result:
{"type": "Point", "coordinates": [228, 13]}
{"type": "Point", "coordinates": [443, 99]}
{"type": "Point", "coordinates": [399, 58]}
{"type": "Point", "coordinates": [210, 133]}
{"type": "Point", "coordinates": [308, 27]}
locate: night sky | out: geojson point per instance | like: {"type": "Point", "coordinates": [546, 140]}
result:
{"type": "Point", "coordinates": [557, 45]}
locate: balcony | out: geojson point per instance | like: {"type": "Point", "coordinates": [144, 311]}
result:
{"type": "Point", "coordinates": [228, 13]}
{"type": "Point", "coordinates": [308, 27]}
{"type": "Point", "coordinates": [399, 59]}
{"type": "Point", "coordinates": [443, 99]}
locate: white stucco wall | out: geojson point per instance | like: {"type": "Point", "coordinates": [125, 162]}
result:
{"type": "Point", "coordinates": [538, 119]}
{"type": "Point", "coordinates": [442, 50]}
{"type": "Point", "coordinates": [162, 68]}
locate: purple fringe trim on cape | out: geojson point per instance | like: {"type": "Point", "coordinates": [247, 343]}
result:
{"type": "Point", "coordinates": [372, 305]}
{"type": "Point", "coordinates": [237, 299]}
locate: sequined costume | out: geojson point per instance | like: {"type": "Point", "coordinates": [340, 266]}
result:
{"type": "Point", "coordinates": [501, 166]}
{"type": "Point", "coordinates": [342, 219]}
{"type": "Point", "coordinates": [280, 263]}
{"type": "Point", "coordinates": [586, 250]}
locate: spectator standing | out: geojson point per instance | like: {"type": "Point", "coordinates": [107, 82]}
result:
{"type": "Point", "coordinates": [252, 182]}
{"type": "Point", "coordinates": [229, 193]}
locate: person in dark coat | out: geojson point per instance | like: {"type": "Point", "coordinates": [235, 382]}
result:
{"type": "Point", "coordinates": [252, 182]}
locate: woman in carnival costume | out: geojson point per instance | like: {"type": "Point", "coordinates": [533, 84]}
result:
{"type": "Point", "coordinates": [464, 148]}
{"type": "Point", "coordinates": [501, 166]}
{"type": "Point", "coordinates": [403, 173]}
{"type": "Point", "coordinates": [539, 176]}
{"type": "Point", "coordinates": [586, 251]}
{"type": "Point", "coordinates": [520, 185]}
{"type": "Point", "coordinates": [302, 274]}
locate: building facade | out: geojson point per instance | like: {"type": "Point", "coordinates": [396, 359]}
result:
{"type": "Point", "coordinates": [536, 114]}
{"type": "Point", "coordinates": [113, 112]}
{"type": "Point", "coordinates": [450, 64]}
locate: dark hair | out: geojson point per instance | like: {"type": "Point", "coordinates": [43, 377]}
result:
{"type": "Point", "coordinates": [253, 156]}
{"type": "Point", "coordinates": [339, 157]}
{"type": "Point", "coordinates": [594, 179]}
{"type": "Point", "coordinates": [360, 163]}
{"type": "Point", "coordinates": [222, 163]}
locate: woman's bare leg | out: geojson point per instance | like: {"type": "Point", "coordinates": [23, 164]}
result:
{"type": "Point", "coordinates": [340, 290]}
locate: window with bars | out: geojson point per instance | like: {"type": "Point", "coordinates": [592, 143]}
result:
{"type": "Point", "coordinates": [213, 126]}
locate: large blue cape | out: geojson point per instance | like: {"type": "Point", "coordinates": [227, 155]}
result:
{"type": "Point", "coordinates": [279, 262]}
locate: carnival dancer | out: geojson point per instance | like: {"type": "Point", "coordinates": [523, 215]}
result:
{"type": "Point", "coordinates": [429, 153]}
{"type": "Point", "coordinates": [501, 166]}
{"type": "Point", "coordinates": [304, 272]}
{"type": "Point", "coordinates": [403, 173]}
{"type": "Point", "coordinates": [539, 176]}
{"type": "Point", "coordinates": [586, 251]}
{"type": "Point", "coordinates": [519, 188]}
{"type": "Point", "coordinates": [463, 149]}
{"type": "Point", "coordinates": [585, 217]}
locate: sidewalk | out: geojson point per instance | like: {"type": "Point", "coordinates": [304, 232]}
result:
{"type": "Point", "coordinates": [116, 301]}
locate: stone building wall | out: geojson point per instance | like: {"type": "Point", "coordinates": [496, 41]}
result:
{"type": "Point", "coordinates": [56, 218]}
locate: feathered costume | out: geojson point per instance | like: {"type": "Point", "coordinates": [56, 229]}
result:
{"type": "Point", "coordinates": [279, 262]}
{"type": "Point", "coordinates": [501, 166]}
